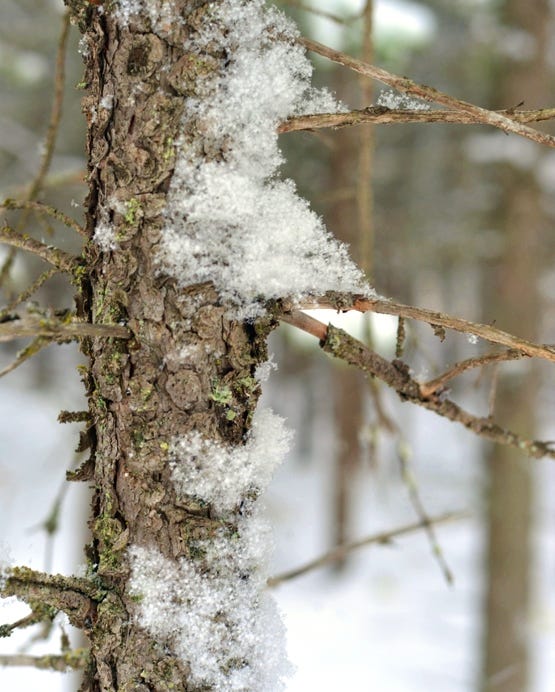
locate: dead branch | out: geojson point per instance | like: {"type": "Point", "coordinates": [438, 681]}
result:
{"type": "Point", "coordinates": [56, 112]}
{"type": "Point", "coordinates": [339, 552]}
{"type": "Point", "coordinates": [396, 375]}
{"type": "Point", "coordinates": [72, 595]}
{"type": "Point", "coordinates": [45, 209]}
{"type": "Point", "coordinates": [28, 352]}
{"type": "Point", "coordinates": [403, 453]}
{"type": "Point", "coordinates": [28, 292]}
{"type": "Point", "coordinates": [56, 257]}
{"type": "Point", "coordinates": [380, 115]}
{"type": "Point", "coordinates": [427, 93]}
{"type": "Point", "coordinates": [428, 388]}
{"type": "Point", "coordinates": [57, 329]}
{"type": "Point", "coordinates": [384, 306]}
{"type": "Point", "coordinates": [71, 660]}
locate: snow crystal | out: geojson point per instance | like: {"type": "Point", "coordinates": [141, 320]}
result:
{"type": "Point", "coordinates": [394, 100]}
{"type": "Point", "coordinates": [215, 614]}
{"type": "Point", "coordinates": [224, 476]}
{"type": "Point", "coordinates": [230, 221]}
{"type": "Point", "coordinates": [263, 371]}
{"type": "Point", "coordinates": [105, 236]}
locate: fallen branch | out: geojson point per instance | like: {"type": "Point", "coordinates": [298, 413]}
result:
{"type": "Point", "coordinates": [340, 551]}
{"type": "Point", "coordinates": [427, 93]}
{"type": "Point", "coordinates": [381, 115]}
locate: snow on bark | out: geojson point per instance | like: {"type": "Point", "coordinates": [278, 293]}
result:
{"type": "Point", "coordinates": [215, 613]}
{"type": "Point", "coordinates": [231, 221]}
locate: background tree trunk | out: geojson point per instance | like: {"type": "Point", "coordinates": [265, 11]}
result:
{"type": "Point", "coordinates": [512, 296]}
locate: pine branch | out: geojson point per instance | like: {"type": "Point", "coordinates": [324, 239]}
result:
{"type": "Point", "coordinates": [427, 93]}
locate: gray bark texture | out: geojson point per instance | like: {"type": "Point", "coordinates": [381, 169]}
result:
{"type": "Point", "coordinates": [140, 395]}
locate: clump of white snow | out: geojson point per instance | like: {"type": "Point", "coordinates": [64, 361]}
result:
{"type": "Point", "coordinates": [215, 613]}
{"type": "Point", "coordinates": [105, 236]}
{"type": "Point", "coordinates": [224, 476]}
{"type": "Point", "coordinates": [230, 220]}
{"type": "Point", "coordinates": [395, 100]}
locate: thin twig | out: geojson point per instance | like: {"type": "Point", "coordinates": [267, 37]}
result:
{"type": "Point", "coordinates": [434, 385]}
{"type": "Point", "coordinates": [430, 94]}
{"type": "Point", "coordinates": [321, 13]}
{"type": "Point", "coordinates": [28, 352]}
{"type": "Point", "coordinates": [46, 209]}
{"type": "Point", "coordinates": [52, 328]}
{"type": "Point", "coordinates": [388, 307]}
{"type": "Point", "coordinates": [28, 292]}
{"type": "Point", "coordinates": [56, 112]}
{"type": "Point", "coordinates": [72, 660]}
{"type": "Point", "coordinates": [339, 552]}
{"type": "Point", "coordinates": [381, 115]}
{"type": "Point", "coordinates": [418, 506]}
{"type": "Point", "coordinates": [397, 376]}
{"type": "Point", "coordinates": [56, 257]}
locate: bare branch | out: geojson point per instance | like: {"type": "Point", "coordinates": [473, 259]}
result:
{"type": "Point", "coordinates": [411, 484]}
{"type": "Point", "coordinates": [396, 375]}
{"type": "Point", "coordinates": [71, 660]}
{"type": "Point", "coordinates": [56, 329]}
{"type": "Point", "coordinates": [388, 307]}
{"type": "Point", "coordinates": [58, 258]}
{"type": "Point", "coordinates": [56, 112]}
{"type": "Point", "coordinates": [321, 13]}
{"type": "Point", "coordinates": [380, 115]}
{"type": "Point", "coordinates": [437, 383]}
{"type": "Point", "coordinates": [339, 552]}
{"type": "Point", "coordinates": [428, 93]}
{"type": "Point", "coordinates": [28, 352]}
{"type": "Point", "coordinates": [28, 292]}
{"type": "Point", "coordinates": [46, 209]}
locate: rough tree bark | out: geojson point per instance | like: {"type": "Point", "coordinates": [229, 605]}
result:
{"type": "Point", "coordinates": [140, 395]}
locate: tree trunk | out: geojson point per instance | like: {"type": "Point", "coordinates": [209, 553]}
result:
{"type": "Point", "coordinates": [186, 373]}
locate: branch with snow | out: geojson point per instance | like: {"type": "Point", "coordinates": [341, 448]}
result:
{"type": "Point", "coordinates": [383, 115]}
{"type": "Point", "coordinates": [427, 93]}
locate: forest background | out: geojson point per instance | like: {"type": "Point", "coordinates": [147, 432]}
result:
{"type": "Point", "coordinates": [459, 220]}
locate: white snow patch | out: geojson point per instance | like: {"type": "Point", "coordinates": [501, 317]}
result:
{"type": "Point", "coordinates": [230, 221]}
{"type": "Point", "coordinates": [395, 100]}
{"type": "Point", "coordinates": [223, 476]}
{"type": "Point", "coordinates": [105, 236]}
{"type": "Point", "coordinates": [215, 614]}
